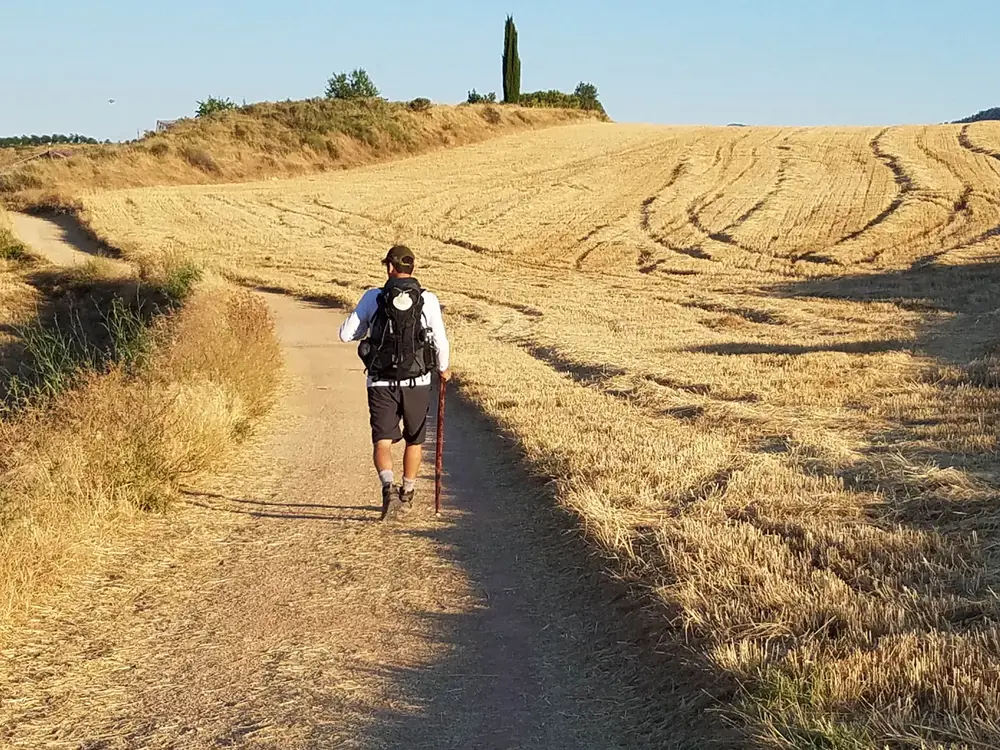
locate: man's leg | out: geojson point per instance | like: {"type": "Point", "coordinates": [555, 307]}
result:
{"type": "Point", "coordinates": [383, 408]}
{"type": "Point", "coordinates": [383, 459]}
{"type": "Point", "coordinates": [411, 461]}
{"type": "Point", "coordinates": [416, 407]}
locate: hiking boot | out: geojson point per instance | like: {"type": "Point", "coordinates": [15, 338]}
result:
{"type": "Point", "coordinates": [390, 502]}
{"type": "Point", "coordinates": [406, 500]}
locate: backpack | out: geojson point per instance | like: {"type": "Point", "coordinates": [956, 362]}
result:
{"type": "Point", "coordinates": [398, 346]}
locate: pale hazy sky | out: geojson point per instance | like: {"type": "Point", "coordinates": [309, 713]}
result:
{"type": "Point", "coordinates": [786, 62]}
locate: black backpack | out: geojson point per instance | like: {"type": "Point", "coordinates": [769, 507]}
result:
{"type": "Point", "coordinates": [398, 346]}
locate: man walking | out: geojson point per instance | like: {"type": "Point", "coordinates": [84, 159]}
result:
{"type": "Point", "coordinates": [406, 342]}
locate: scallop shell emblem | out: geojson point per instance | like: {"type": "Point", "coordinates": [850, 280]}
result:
{"type": "Point", "coordinates": [402, 302]}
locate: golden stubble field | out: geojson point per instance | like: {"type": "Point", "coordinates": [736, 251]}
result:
{"type": "Point", "coordinates": [761, 365]}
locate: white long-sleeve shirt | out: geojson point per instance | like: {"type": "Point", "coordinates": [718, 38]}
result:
{"type": "Point", "coordinates": [356, 327]}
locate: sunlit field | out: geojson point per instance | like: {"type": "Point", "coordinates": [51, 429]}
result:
{"type": "Point", "coordinates": [762, 366]}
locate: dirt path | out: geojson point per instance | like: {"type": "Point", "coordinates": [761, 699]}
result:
{"type": "Point", "coordinates": [273, 609]}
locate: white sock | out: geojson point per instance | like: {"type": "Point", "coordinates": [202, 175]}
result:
{"type": "Point", "coordinates": [386, 476]}
{"type": "Point", "coordinates": [408, 484]}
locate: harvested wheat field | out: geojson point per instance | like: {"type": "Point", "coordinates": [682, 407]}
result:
{"type": "Point", "coordinates": [761, 366]}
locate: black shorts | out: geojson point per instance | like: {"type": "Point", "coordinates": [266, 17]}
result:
{"type": "Point", "coordinates": [387, 405]}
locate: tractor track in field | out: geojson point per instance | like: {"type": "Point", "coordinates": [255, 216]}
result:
{"type": "Point", "coordinates": [966, 142]}
{"type": "Point", "coordinates": [992, 232]}
{"type": "Point", "coordinates": [904, 185]}
{"type": "Point", "coordinates": [581, 258]}
{"type": "Point", "coordinates": [960, 210]}
{"type": "Point", "coordinates": [645, 218]}
{"type": "Point", "coordinates": [645, 261]}
{"type": "Point", "coordinates": [781, 176]}
{"type": "Point", "coordinates": [724, 236]}
{"type": "Point", "coordinates": [465, 244]}
{"type": "Point", "coordinates": [908, 187]}
{"type": "Point", "coordinates": [645, 221]}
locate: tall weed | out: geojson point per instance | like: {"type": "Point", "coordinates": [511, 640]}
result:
{"type": "Point", "coordinates": [88, 448]}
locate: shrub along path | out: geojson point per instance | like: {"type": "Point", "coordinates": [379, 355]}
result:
{"type": "Point", "coordinates": [272, 609]}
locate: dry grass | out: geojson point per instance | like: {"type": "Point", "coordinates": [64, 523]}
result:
{"type": "Point", "coordinates": [11, 156]}
{"type": "Point", "coordinates": [11, 249]}
{"type": "Point", "coordinates": [265, 141]}
{"type": "Point", "coordinates": [78, 462]}
{"type": "Point", "coordinates": [761, 366]}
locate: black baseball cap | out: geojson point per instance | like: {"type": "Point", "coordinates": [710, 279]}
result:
{"type": "Point", "coordinates": [401, 258]}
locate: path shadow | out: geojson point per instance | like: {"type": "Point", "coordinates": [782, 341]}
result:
{"type": "Point", "coordinates": [329, 301]}
{"type": "Point", "coordinates": [558, 653]}
{"type": "Point", "coordinates": [260, 509]}
{"type": "Point", "coordinates": [74, 233]}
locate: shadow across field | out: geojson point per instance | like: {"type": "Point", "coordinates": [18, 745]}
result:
{"type": "Point", "coordinates": [554, 628]}
{"type": "Point", "coordinates": [960, 405]}
{"type": "Point", "coordinates": [959, 331]}
{"type": "Point", "coordinates": [927, 463]}
{"type": "Point", "coordinates": [961, 301]}
{"type": "Point", "coordinates": [847, 347]}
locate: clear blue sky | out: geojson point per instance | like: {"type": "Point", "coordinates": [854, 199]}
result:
{"type": "Point", "coordinates": [793, 62]}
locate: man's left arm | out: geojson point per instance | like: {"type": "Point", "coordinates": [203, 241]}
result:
{"type": "Point", "coordinates": [435, 320]}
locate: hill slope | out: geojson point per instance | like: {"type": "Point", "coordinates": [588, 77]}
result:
{"type": "Point", "coordinates": [761, 365]}
{"type": "Point", "coordinates": [268, 140]}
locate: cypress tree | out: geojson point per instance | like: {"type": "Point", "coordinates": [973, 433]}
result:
{"type": "Point", "coordinates": [511, 64]}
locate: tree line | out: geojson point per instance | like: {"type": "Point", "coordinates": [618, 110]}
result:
{"type": "Point", "coordinates": [357, 84]}
{"type": "Point", "coordinates": [584, 96]}
{"type": "Point", "coordinates": [993, 113]}
{"type": "Point", "coordinates": [45, 140]}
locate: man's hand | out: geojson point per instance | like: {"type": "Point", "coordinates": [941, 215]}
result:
{"type": "Point", "coordinates": [445, 375]}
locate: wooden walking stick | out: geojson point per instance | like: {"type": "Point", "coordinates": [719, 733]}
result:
{"type": "Point", "coordinates": [439, 457]}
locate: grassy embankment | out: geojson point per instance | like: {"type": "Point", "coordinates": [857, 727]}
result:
{"type": "Point", "coordinates": [268, 140]}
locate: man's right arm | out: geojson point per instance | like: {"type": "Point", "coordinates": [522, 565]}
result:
{"type": "Point", "coordinates": [356, 325]}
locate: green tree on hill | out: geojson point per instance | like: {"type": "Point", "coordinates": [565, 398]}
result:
{"type": "Point", "coordinates": [212, 105]}
{"type": "Point", "coordinates": [356, 85]}
{"type": "Point", "coordinates": [587, 94]}
{"type": "Point", "coordinates": [511, 64]}
{"type": "Point", "coordinates": [476, 98]}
